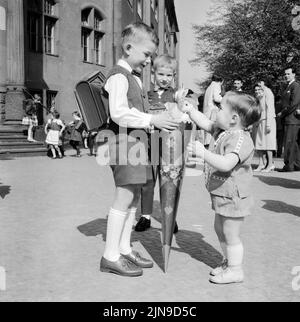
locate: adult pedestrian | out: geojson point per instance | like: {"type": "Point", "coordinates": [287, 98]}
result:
{"type": "Point", "coordinates": [238, 85]}
{"type": "Point", "coordinates": [290, 100]}
{"type": "Point", "coordinates": [265, 138]}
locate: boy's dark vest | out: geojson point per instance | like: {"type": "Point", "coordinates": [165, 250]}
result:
{"type": "Point", "coordinates": [137, 97]}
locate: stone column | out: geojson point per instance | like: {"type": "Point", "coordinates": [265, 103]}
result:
{"type": "Point", "coordinates": [15, 60]}
{"type": "Point", "coordinates": [147, 21]}
{"type": "Point", "coordinates": [3, 44]}
{"type": "Point", "coordinates": [161, 26]}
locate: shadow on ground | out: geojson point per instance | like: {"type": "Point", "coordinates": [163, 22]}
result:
{"type": "Point", "coordinates": [281, 207]}
{"type": "Point", "coordinates": [280, 182]}
{"type": "Point", "coordinates": [189, 242]}
{"type": "Point", "coordinates": [4, 191]}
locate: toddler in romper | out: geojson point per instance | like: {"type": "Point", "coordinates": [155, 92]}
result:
{"type": "Point", "coordinates": [228, 175]}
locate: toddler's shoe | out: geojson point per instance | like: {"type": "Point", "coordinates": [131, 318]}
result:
{"type": "Point", "coordinates": [218, 270]}
{"type": "Point", "coordinates": [228, 276]}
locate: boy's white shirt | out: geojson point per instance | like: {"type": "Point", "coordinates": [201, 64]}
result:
{"type": "Point", "coordinates": [117, 87]}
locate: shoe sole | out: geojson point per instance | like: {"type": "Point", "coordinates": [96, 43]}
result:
{"type": "Point", "coordinates": [233, 282]}
{"type": "Point", "coordinates": [141, 230]}
{"type": "Point", "coordinates": [107, 270]}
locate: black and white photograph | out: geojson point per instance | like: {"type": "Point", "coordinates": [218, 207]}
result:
{"type": "Point", "coordinates": [149, 153]}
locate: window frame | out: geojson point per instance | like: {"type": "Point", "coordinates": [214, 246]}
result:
{"type": "Point", "coordinates": [93, 31]}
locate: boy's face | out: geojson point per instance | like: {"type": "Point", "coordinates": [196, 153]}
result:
{"type": "Point", "coordinates": [164, 77]}
{"type": "Point", "coordinates": [139, 54]}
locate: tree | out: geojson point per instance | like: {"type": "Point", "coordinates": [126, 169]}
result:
{"type": "Point", "coordinates": [251, 39]}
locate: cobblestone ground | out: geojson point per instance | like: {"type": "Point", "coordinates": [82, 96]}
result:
{"type": "Point", "coordinates": [52, 236]}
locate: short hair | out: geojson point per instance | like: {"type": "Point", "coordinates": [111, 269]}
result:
{"type": "Point", "coordinates": [246, 106]}
{"type": "Point", "coordinates": [55, 114]}
{"type": "Point", "coordinates": [137, 31]}
{"type": "Point", "coordinates": [292, 67]}
{"type": "Point", "coordinates": [165, 61]}
{"type": "Point", "coordinates": [217, 78]}
{"type": "Point", "coordinates": [238, 79]}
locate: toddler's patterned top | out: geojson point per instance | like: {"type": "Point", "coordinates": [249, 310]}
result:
{"type": "Point", "coordinates": [237, 181]}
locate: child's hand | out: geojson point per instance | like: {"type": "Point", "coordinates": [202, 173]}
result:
{"type": "Point", "coordinates": [164, 122]}
{"type": "Point", "coordinates": [186, 105]}
{"type": "Point", "coordinates": [196, 150]}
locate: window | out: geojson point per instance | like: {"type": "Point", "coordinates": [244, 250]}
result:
{"type": "Point", "coordinates": [33, 30]}
{"type": "Point", "coordinates": [49, 36]}
{"type": "Point", "coordinates": [98, 48]}
{"type": "Point", "coordinates": [41, 26]}
{"type": "Point", "coordinates": [85, 44]}
{"type": "Point", "coordinates": [156, 9]}
{"type": "Point", "coordinates": [49, 7]}
{"type": "Point", "coordinates": [140, 8]}
{"type": "Point", "coordinates": [92, 36]}
{"type": "Point", "coordinates": [51, 100]}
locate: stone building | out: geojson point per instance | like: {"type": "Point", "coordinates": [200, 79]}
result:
{"type": "Point", "coordinates": [48, 46]}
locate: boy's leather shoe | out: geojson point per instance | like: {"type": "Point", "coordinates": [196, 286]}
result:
{"type": "Point", "coordinates": [121, 267]}
{"type": "Point", "coordinates": [143, 224]}
{"type": "Point", "coordinates": [138, 260]}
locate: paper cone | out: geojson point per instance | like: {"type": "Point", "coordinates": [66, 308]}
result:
{"type": "Point", "coordinates": [170, 180]}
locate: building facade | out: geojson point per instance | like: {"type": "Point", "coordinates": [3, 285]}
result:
{"type": "Point", "coordinates": [48, 46]}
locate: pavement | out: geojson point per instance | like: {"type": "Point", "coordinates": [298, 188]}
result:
{"type": "Point", "coordinates": [53, 226]}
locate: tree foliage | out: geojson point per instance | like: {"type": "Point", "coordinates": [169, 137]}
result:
{"type": "Point", "coordinates": [250, 39]}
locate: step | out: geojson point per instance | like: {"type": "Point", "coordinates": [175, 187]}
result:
{"type": "Point", "coordinates": [18, 144]}
{"type": "Point", "coordinates": [12, 122]}
{"type": "Point", "coordinates": [18, 152]}
{"type": "Point", "coordinates": [16, 137]}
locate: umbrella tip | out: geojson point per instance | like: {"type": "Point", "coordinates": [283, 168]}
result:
{"type": "Point", "coordinates": [166, 255]}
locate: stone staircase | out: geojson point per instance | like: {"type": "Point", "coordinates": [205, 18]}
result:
{"type": "Point", "coordinates": [13, 141]}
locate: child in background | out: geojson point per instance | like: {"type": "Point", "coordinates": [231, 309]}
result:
{"type": "Point", "coordinates": [164, 67]}
{"type": "Point", "coordinates": [78, 127]}
{"type": "Point", "coordinates": [54, 129]}
{"type": "Point", "coordinates": [127, 109]}
{"type": "Point", "coordinates": [228, 175]}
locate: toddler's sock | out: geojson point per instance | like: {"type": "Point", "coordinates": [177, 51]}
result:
{"type": "Point", "coordinates": [235, 256]}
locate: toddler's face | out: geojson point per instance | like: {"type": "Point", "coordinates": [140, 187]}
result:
{"type": "Point", "coordinates": [164, 77]}
{"type": "Point", "coordinates": [224, 115]}
{"type": "Point", "coordinates": [139, 54]}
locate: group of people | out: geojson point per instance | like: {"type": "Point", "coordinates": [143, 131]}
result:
{"type": "Point", "coordinates": [227, 149]}
{"type": "Point", "coordinates": [55, 129]}
{"type": "Point", "coordinates": [267, 133]}
{"type": "Point", "coordinates": [227, 160]}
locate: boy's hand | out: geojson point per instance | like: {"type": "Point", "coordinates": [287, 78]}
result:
{"type": "Point", "coordinates": [164, 122]}
{"type": "Point", "coordinates": [196, 150]}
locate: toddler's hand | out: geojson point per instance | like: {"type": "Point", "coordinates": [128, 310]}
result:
{"type": "Point", "coordinates": [196, 150]}
{"type": "Point", "coordinates": [186, 105]}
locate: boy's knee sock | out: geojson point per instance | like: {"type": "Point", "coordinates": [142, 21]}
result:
{"type": "Point", "coordinates": [115, 224]}
{"type": "Point", "coordinates": [235, 255]}
{"type": "Point", "coordinates": [125, 247]}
